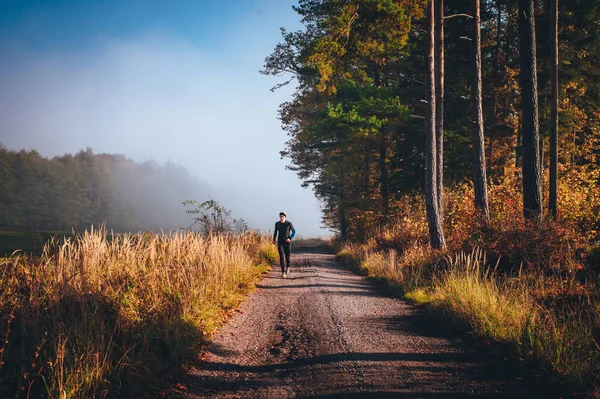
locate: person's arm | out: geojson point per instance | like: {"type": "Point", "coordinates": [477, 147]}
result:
{"type": "Point", "coordinates": [275, 232]}
{"type": "Point", "coordinates": [293, 233]}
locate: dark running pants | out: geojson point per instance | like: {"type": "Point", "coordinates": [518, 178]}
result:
{"type": "Point", "coordinates": [284, 249]}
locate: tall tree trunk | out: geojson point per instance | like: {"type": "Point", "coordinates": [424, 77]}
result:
{"type": "Point", "coordinates": [532, 194]}
{"type": "Point", "coordinates": [511, 56]}
{"type": "Point", "coordinates": [383, 175]}
{"type": "Point", "coordinates": [383, 148]}
{"type": "Point", "coordinates": [552, 199]}
{"type": "Point", "coordinates": [495, 83]}
{"type": "Point", "coordinates": [439, 106]}
{"type": "Point", "coordinates": [343, 223]}
{"type": "Point", "coordinates": [479, 169]}
{"type": "Point", "coordinates": [367, 171]}
{"type": "Point", "coordinates": [434, 221]}
{"type": "Point", "coordinates": [518, 148]}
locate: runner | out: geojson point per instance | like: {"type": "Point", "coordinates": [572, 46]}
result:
{"type": "Point", "coordinates": [284, 232]}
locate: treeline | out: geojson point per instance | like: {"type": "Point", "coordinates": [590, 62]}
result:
{"type": "Point", "coordinates": [75, 191]}
{"type": "Point", "coordinates": [362, 129]}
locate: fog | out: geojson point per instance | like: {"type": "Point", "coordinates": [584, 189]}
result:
{"type": "Point", "coordinates": [158, 97]}
{"type": "Point", "coordinates": [154, 194]}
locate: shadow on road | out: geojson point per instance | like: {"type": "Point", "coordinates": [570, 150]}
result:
{"type": "Point", "coordinates": [336, 369]}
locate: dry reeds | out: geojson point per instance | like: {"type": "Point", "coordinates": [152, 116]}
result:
{"type": "Point", "coordinates": [106, 315]}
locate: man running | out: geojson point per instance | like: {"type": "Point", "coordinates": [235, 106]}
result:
{"type": "Point", "coordinates": [284, 232]}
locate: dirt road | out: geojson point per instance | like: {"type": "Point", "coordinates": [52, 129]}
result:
{"type": "Point", "coordinates": [325, 332]}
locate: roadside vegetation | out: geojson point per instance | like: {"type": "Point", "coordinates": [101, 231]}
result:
{"type": "Point", "coordinates": [103, 315]}
{"type": "Point", "coordinates": [454, 146]}
{"type": "Point", "coordinates": [535, 289]}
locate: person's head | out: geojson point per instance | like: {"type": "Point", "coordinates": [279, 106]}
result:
{"type": "Point", "coordinates": [282, 216]}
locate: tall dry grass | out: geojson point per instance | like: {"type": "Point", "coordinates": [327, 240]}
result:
{"type": "Point", "coordinates": [533, 314]}
{"type": "Point", "coordinates": [104, 315]}
{"type": "Point", "coordinates": [403, 268]}
{"type": "Point", "coordinates": [538, 291]}
{"type": "Point", "coordinates": [522, 311]}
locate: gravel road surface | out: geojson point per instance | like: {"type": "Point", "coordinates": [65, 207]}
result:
{"type": "Point", "coordinates": [325, 332]}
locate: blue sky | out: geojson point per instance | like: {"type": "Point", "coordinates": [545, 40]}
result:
{"type": "Point", "coordinates": [157, 80]}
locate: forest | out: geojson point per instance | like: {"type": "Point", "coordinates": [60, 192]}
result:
{"type": "Point", "coordinates": [73, 192]}
{"type": "Point", "coordinates": [403, 103]}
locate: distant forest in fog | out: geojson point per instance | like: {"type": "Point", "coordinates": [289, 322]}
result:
{"type": "Point", "coordinates": [75, 191]}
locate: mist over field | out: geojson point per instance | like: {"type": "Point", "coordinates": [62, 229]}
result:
{"type": "Point", "coordinates": [76, 191]}
{"type": "Point", "coordinates": [155, 193]}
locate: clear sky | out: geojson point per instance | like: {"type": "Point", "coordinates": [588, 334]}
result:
{"type": "Point", "coordinates": [157, 80]}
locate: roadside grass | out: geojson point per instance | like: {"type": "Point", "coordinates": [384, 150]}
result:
{"type": "Point", "coordinates": [552, 319]}
{"type": "Point", "coordinates": [103, 315]}
{"type": "Point", "coordinates": [533, 288]}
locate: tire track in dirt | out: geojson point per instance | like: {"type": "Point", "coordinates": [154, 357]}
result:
{"type": "Point", "coordinates": [325, 332]}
